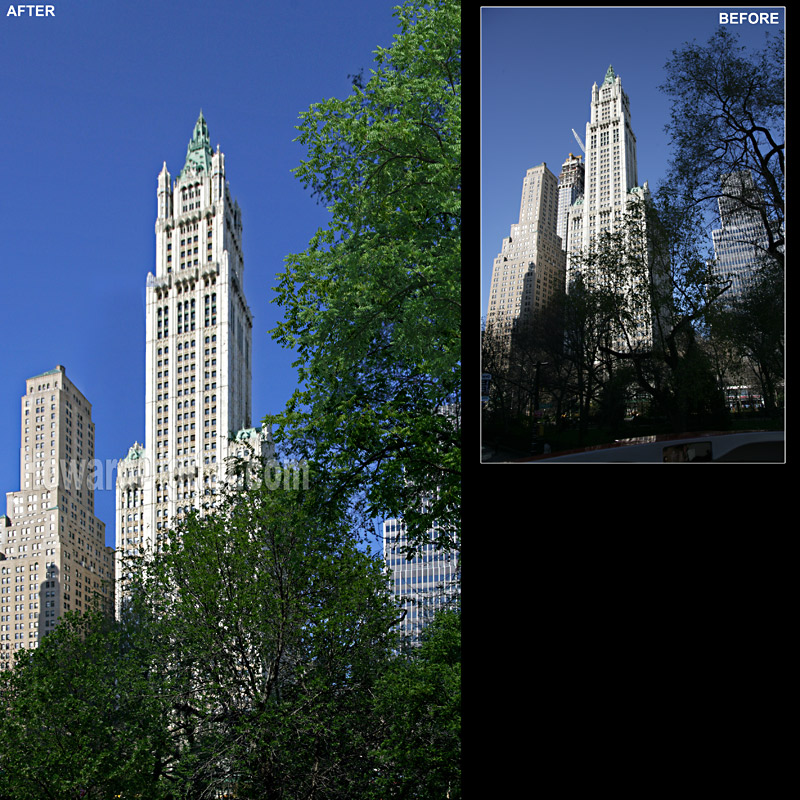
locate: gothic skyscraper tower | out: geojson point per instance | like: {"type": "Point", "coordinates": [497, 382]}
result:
{"type": "Point", "coordinates": [611, 192]}
{"type": "Point", "coordinates": [611, 178]}
{"type": "Point", "coordinates": [198, 352]}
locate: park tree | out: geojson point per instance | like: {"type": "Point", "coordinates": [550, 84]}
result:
{"type": "Point", "coordinates": [274, 625]}
{"type": "Point", "coordinates": [418, 700]}
{"type": "Point", "coordinates": [727, 131]}
{"type": "Point", "coordinates": [515, 363]}
{"type": "Point", "coordinates": [85, 716]}
{"type": "Point", "coordinates": [256, 655]}
{"type": "Point", "coordinates": [727, 118]}
{"type": "Point", "coordinates": [587, 310]}
{"type": "Point", "coordinates": [751, 327]}
{"type": "Point", "coordinates": [494, 361]}
{"type": "Point", "coordinates": [372, 307]}
{"type": "Point", "coordinates": [685, 294]}
{"type": "Point", "coordinates": [647, 289]}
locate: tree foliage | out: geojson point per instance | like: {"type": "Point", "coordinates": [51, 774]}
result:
{"type": "Point", "coordinates": [752, 328]}
{"type": "Point", "coordinates": [422, 695]}
{"type": "Point", "coordinates": [728, 116]}
{"type": "Point", "coordinates": [82, 716]}
{"type": "Point", "coordinates": [252, 656]}
{"type": "Point", "coordinates": [727, 128]}
{"type": "Point", "coordinates": [640, 294]}
{"type": "Point", "coordinates": [275, 627]}
{"type": "Point", "coordinates": [372, 306]}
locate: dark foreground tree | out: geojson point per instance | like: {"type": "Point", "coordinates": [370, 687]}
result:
{"type": "Point", "coordinates": [646, 291]}
{"type": "Point", "coordinates": [373, 306]}
{"type": "Point", "coordinates": [752, 327]}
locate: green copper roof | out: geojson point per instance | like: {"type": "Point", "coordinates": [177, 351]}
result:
{"type": "Point", "coordinates": [609, 75]}
{"type": "Point", "coordinates": [49, 372]}
{"type": "Point", "coordinates": [198, 154]}
{"type": "Point", "coordinates": [135, 452]}
{"type": "Point", "coordinates": [245, 433]}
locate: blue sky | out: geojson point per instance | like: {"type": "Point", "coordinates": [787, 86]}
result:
{"type": "Point", "coordinates": [537, 70]}
{"type": "Point", "coordinates": [93, 101]}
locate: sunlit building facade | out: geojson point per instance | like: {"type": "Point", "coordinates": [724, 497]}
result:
{"type": "Point", "coordinates": [530, 267]}
{"type": "Point", "coordinates": [54, 554]}
{"type": "Point", "coordinates": [422, 584]}
{"type": "Point", "coordinates": [612, 192]}
{"type": "Point", "coordinates": [198, 353]}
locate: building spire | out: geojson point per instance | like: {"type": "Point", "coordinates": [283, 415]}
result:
{"type": "Point", "coordinates": [609, 75]}
{"type": "Point", "coordinates": [198, 153]}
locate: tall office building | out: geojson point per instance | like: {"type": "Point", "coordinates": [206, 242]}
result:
{"type": "Point", "coordinates": [611, 190]}
{"type": "Point", "coordinates": [197, 354]}
{"type": "Point", "coordinates": [570, 188]}
{"type": "Point", "coordinates": [55, 556]}
{"type": "Point", "coordinates": [741, 238]}
{"type": "Point", "coordinates": [431, 579]}
{"type": "Point", "coordinates": [530, 267]}
{"type": "Point", "coordinates": [423, 584]}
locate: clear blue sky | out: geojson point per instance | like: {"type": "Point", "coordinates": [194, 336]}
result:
{"type": "Point", "coordinates": [537, 70]}
{"type": "Point", "coordinates": [93, 101]}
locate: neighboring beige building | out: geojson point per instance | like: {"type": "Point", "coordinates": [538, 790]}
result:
{"type": "Point", "coordinates": [56, 559]}
{"type": "Point", "coordinates": [531, 266]}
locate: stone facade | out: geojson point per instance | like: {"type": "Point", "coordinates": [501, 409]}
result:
{"type": "Point", "coordinates": [198, 353]}
{"type": "Point", "coordinates": [53, 546]}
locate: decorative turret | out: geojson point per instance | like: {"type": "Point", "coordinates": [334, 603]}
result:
{"type": "Point", "coordinates": [217, 176]}
{"type": "Point", "coordinates": [164, 193]}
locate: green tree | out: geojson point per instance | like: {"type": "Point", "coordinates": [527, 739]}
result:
{"type": "Point", "coordinates": [372, 307]}
{"type": "Point", "coordinates": [419, 701]}
{"type": "Point", "coordinates": [274, 627]}
{"type": "Point", "coordinates": [256, 653]}
{"type": "Point", "coordinates": [82, 717]}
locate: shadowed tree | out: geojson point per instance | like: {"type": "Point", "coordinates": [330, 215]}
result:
{"type": "Point", "coordinates": [728, 116]}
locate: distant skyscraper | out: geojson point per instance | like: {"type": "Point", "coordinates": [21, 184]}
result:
{"type": "Point", "coordinates": [423, 584]}
{"type": "Point", "coordinates": [741, 239]}
{"type": "Point", "coordinates": [197, 353]}
{"type": "Point", "coordinates": [570, 188]}
{"type": "Point", "coordinates": [530, 267]}
{"type": "Point", "coordinates": [56, 558]}
{"type": "Point", "coordinates": [431, 579]}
